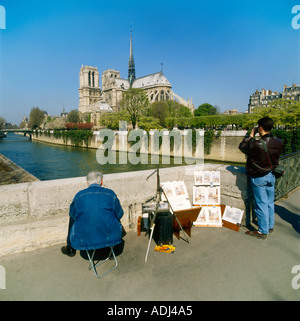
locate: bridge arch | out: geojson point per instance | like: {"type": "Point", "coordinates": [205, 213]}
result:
{"type": "Point", "coordinates": [27, 132]}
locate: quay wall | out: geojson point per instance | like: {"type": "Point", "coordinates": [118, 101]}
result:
{"type": "Point", "coordinates": [224, 146]}
{"type": "Point", "coordinates": [35, 215]}
{"type": "Point", "coordinates": [11, 173]}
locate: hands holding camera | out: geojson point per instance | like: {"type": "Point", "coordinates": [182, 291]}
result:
{"type": "Point", "coordinates": [254, 131]}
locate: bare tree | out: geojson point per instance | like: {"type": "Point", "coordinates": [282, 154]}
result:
{"type": "Point", "coordinates": [136, 103]}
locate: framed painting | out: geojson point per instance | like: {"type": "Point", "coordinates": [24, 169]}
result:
{"type": "Point", "coordinates": [176, 194]}
{"type": "Point", "coordinates": [233, 215]}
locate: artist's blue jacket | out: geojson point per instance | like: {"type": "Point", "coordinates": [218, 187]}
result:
{"type": "Point", "coordinates": [95, 214]}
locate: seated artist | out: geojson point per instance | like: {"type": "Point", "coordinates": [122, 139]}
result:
{"type": "Point", "coordinates": [94, 222]}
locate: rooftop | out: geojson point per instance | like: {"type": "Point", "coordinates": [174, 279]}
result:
{"type": "Point", "coordinates": [151, 80]}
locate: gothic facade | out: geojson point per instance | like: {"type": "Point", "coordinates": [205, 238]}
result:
{"type": "Point", "coordinates": [94, 100]}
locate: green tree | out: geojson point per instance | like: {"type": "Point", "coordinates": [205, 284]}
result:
{"type": "Point", "coordinates": [148, 123]}
{"type": "Point", "coordinates": [36, 117]}
{"type": "Point", "coordinates": [136, 103]}
{"type": "Point", "coordinates": [111, 120]}
{"type": "Point", "coordinates": [184, 111]}
{"type": "Point", "coordinates": [285, 113]}
{"type": "Point", "coordinates": [160, 110]}
{"type": "Point", "coordinates": [178, 110]}
{"type": "Point", "coordinates": [205, 110]}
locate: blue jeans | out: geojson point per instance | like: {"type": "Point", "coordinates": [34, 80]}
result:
{"type": "Point", "coordinates": [264, 191]}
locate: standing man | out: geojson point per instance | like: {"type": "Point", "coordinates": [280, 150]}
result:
{"type": "Point", "coordinates": [95, 215]}
{"type": "Point", "coordinates": [260, 171]}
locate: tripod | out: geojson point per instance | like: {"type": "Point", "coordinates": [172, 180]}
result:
{"type": "Point", "coordinates": [153, 217]}
{"type": "Point", "coordinates": [157, 198]}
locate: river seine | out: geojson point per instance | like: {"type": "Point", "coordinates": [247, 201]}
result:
{"type": "Point", "coordinates": [47, 161]}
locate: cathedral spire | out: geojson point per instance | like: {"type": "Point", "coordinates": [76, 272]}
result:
{"type": "Point", "coordinates": [131, 65]}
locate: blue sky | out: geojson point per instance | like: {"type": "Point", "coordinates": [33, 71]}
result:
{"type": "Point", "coordinates": [218, 52]}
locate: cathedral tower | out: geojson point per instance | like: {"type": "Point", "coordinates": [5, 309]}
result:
{"type": "Point", "coordinates": [89, 89]}
{"type": "Point", "coordinates": [131, 65]}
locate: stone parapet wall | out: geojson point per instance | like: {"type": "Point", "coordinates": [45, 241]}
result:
{"type": "Point", "coordinates": [35, 215]}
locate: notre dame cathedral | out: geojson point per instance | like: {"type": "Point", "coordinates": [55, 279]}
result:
{"type": "Point", "coordinates": [95, 101]}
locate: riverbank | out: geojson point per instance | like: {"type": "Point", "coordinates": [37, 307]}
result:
{"type": "Point", "coordinates": [11, 173]}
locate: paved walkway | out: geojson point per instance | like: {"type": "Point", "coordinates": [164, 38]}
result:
{"type": "Point", "coordinates": [217, 264]}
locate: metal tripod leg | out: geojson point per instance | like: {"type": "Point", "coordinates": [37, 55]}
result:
{"type": "Point", "coordinates": [186, 238]}
{"type": "Point", "coordinates": [151, 234]}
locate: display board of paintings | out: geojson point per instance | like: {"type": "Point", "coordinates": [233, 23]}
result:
{"type": "Point", "coordinates": [206, 193]}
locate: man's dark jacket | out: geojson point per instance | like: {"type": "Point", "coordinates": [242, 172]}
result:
{"type": "Point", "coordinates": [258, 164]}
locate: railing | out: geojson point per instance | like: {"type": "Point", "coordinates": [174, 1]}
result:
{"type": "Point", "coordinates": [291, 177]}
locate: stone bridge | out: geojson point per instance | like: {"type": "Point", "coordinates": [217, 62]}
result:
{"type": "Point", "coordinates": [27, 132]}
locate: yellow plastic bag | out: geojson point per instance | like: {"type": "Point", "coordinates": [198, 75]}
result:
{"type": "Point", "coordinates": [165, 248]}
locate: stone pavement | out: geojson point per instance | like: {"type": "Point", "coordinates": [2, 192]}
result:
{"type": "Point", "coordinates": [217, 264]}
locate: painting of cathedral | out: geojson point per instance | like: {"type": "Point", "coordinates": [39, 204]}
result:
{"type": "Point", "coordinates": [94, 100]}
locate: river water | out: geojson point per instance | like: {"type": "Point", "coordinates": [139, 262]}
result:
{"type": "Point", "coordinates": [47, 161]}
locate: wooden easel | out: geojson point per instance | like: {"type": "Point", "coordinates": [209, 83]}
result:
{"type": "Point", "coordinates": [183, 220]}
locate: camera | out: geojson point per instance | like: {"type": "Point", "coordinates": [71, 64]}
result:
{"type": "Point", "coordinates": [255, 130]}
